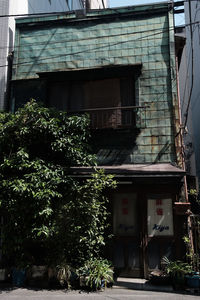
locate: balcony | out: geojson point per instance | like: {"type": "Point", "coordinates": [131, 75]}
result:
{"type": "Point", "coordinates": [112, 117]}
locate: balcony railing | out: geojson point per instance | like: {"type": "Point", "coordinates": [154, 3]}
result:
{"type": "Point", "coordinates": [111, 117]}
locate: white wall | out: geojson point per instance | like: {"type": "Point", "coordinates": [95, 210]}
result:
{"type": "Point", "coordinates": [38, 6]}
{"type": "Point", "coordinates": [98, 4]}
{"type": "Point", "coordinates": [184, 89]}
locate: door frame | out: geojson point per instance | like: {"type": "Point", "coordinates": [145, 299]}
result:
{"type": "Point", "coordinates": [142, 192]}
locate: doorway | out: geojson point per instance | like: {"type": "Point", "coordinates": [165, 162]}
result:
{"type": "Point", "coordinates": [143, 232]}
{"type": "Point", "coordinates": [128, 235]}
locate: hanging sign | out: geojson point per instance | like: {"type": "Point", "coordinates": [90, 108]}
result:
{"type": "Point", "coordinates": [160, 217]}
{"type": "Point", "coordinates": [125, 217]}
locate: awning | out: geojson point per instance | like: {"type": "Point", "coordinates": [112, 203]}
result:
{"type": "Point", "coordinates": [133, 170]}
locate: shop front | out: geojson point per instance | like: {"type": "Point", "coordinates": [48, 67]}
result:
{"type": "Point", "coordinates": [145, 226]}
{"type": "Point", "coordinates": [144, 223]}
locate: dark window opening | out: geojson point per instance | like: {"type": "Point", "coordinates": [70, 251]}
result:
{"type": "Point", "coordinates": [110, 102]}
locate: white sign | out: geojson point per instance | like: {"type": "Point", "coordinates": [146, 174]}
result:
{"type": "Point", "coordinates": [125, 219]}
{"type": "Point", "coordinates": [160, 217]}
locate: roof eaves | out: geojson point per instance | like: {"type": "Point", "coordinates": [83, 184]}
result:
{"type": "Point", "coordinates": [97, 14]}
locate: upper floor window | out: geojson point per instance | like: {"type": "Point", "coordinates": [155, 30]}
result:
{"type": "Point", "coordinates": [109, 100]}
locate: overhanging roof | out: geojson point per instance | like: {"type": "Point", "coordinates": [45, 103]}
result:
{"type": "Point", "coordinates": [133, 170]}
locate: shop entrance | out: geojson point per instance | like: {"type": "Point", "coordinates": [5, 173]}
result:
{"type": "Point", "coordinates": [143, 232]}
{"type": "Point", "coordinates": [128, 235]}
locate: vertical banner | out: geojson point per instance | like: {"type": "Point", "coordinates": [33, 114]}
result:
{"type": "Point", "coordinates": [125, 218]}
{"type": "Point", "coordinates": [160, 217]}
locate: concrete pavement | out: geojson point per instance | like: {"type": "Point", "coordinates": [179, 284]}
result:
{"type": "Point", "coordinates": [123, 289]}
{"type": "Point", "coordinates": [108, 294]}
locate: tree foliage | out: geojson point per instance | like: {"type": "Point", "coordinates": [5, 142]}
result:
{"type": "Point", "coordinates": [43, 206]}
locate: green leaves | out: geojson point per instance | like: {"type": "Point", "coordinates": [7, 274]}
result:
{"type": "Point", "coordinates": [95, 271]}
{"type": "Point", "coordinates": [176, 268]}
{"type": "Point", "coordinates": [83, 219]}
{"type": "Point", "coordinates": [40, 201]}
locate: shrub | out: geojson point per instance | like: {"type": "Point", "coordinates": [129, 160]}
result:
{"type": "Point", "coordinates": [49, 216]}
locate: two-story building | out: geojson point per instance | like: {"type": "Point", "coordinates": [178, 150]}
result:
{"type": "Point", "coordinates": [119, 66]}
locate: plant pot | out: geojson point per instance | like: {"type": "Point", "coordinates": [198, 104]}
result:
{"type": "Point", "coordinates": [193, 281]}
{"type": "Point", "coordinates": [37, 276]}
{"type": "Point", "coordinates": [160, 280]}
{"type": "Point", "coordinates": [3, 275]}
{"type": "Point", "coordinates": [38, 271]}
{"type": "Point", "coordinates": [82, 281]}
{"type": "Point", "coordinates": [178, 282]}
{"type": "Point", "coordinates": [18, 277]}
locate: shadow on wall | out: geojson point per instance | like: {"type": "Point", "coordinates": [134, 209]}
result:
{"type": "Point", "coordinates": [167, 93]}
{"type": "Point", "coordinates": [114, 147]}
{"type": "Point", "coordinates": [162, 152]}
{"type": "Point", "coordinates": [2, 91]}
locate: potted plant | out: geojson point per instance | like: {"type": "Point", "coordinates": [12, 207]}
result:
{"type": "Point", "coordinates": [193, 280]}
{"type": "Point", "coordinates": [19, 275]}
{"type": "Point", "coordinates": [96, 274]}
{"type": "Point", "coordinates": [177, 271]}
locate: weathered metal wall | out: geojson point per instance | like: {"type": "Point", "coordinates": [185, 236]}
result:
{"type": "Point", "coordinates": [142, 34]}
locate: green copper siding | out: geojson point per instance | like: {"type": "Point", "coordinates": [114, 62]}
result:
{"type": "Point", "coordinates": [91, 44]}
{"type": "Point", "coordinates": [118, 40]}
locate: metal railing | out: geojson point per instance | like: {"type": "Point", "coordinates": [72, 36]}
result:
{"type": "Point", "coordinates": [111, 117]}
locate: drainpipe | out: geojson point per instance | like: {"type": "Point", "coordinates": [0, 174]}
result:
{"type": "Point", "coordinates": [180, 133]}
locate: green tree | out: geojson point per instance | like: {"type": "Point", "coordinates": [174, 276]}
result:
{"type": "Point", "coordinates": [44, 207]}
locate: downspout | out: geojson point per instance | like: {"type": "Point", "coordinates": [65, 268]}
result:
{"type": "Point", "coordinates": [180, 132]}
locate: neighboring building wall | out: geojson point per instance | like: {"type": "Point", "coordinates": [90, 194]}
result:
{"type": "Point", "coordinates": [96, 4]}
{"type": "Point", "coordinates": [38, 6]}
{"type": "Point", "coordinates": [112, 41]}
{"type": "Point", "coordinates": [4, 10]}
{"type": "Point", "coordinates": [184, 90]}
{"type": "Point", "coordinates": [191, 83]}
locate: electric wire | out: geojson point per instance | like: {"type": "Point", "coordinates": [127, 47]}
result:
{"type": "Point", "coordinates": [103, 5]}
{"type": "Point", "coordinates": [96, 48]}
{"type": "Point", "coordinates": [47, 13]}
{"type": "Point", "coordinates": [187, 70]}
{"type": "Point", "coordinates": [186, 82]}
{"type": "Point", "coordinates": [99, 37]}
{"type": "Point", "coordinates": [110, 45]}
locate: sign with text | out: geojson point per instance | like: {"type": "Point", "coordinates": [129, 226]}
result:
{"type": "Point", "coordinates": [160, 217]}
{"type": "Point", "coordinates": [125, 218]}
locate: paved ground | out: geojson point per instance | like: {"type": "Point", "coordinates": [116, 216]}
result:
{"type": "Point", "coordinates": [109, 294]}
